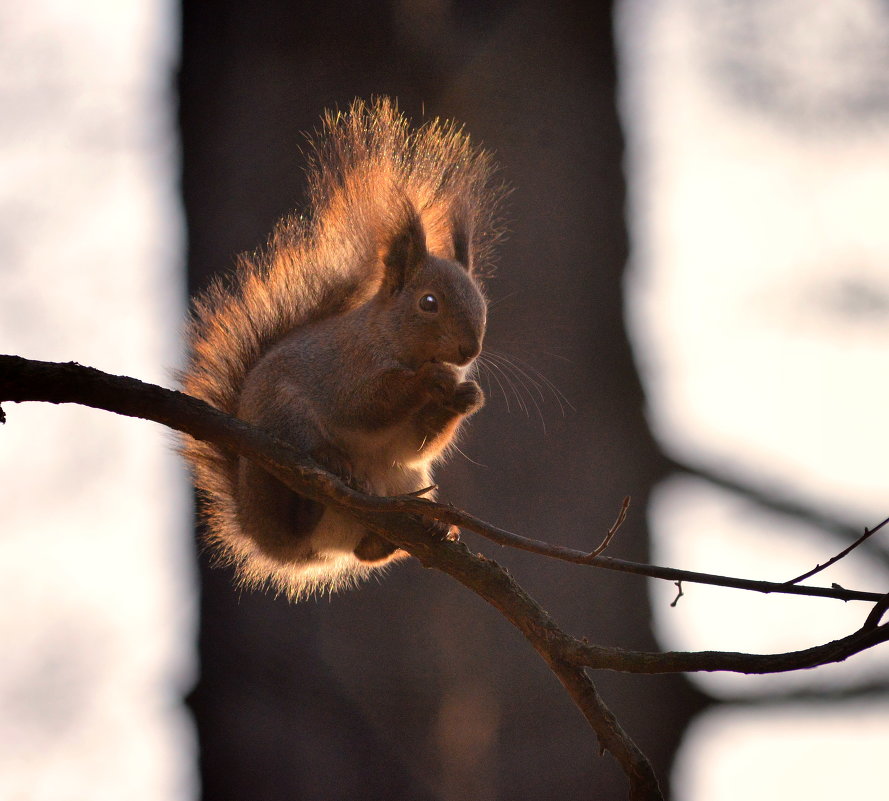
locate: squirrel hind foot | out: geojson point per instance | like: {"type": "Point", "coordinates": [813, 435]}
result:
{"type": "Point", "coordinates": [374, 549]}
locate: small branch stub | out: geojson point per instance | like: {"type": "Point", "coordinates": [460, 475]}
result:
{"type": "Point", "coordinates": [679, 594]}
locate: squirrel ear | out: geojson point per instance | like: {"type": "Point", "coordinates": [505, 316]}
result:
{"type": "Point", "coordinates": [405, 252]}
{"type": "Point", "coordinates": [461, 240]}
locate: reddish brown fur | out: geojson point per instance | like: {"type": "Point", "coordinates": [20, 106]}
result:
{"type": "Point", "coordinates": [367, 173]}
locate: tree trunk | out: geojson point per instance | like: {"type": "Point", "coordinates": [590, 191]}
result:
{"type": "Point", "coordinates": [412, 688]}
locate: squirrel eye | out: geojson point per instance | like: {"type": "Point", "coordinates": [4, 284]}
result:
{"type": "Point", "coordinates": [428, 303]}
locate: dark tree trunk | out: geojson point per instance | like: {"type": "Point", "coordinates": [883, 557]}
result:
{"type": "Point", "coordinates": [412, 688]}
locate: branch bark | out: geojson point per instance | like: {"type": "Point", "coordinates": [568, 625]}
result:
{"type": "Point", "coordinates": [401, 520]}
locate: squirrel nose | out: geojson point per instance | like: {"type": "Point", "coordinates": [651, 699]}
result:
{"type": "Point", "coordinates": [468, 352]}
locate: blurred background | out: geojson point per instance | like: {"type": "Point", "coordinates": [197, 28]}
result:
{"type": "Point", "coordinates": [694, 296]}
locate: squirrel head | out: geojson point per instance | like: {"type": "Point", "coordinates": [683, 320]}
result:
{"type": "Point", "coordinates": [432, 306]}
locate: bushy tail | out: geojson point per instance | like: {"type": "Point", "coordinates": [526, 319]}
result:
{"type": "Point", "coordinates": [366, 168]}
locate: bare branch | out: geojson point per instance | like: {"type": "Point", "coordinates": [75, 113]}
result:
{"type": "Point", "coordinates": [863, 690]}
{"type": "Point", "coordinates": [601, 657]}
{"type": "Point", "coordinates": [615, 527]}
{"type": "Point", "coordinates": [501, 536]}
{"type": "Point", "coordinates": [449, 514]}
{"type": "Point", "coordinates": [30, 380]}
{"type": "Point", "coordinates": [876, 614]}
{"type": "Point", "coordinates": [679, 593]}
{"type": "Point", "coordinates": [845, 552]}
{"type": "Point", "coordinates": [23, 380]}
{"type": "Point", "coordinates": [643, 783]}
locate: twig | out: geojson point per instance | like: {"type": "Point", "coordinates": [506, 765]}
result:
{"type": "Point", "coordinates": [845, 552]}
{"type": "Point", "coordinates": [601, 657]}
{"type": "Point", "coordinates": [876, 614]}
{"type": "Point", "coordinates": [511, 540]}
{"type": "Point", "coordinates": [449, 514]}
{"type": "Point", "coordinates": [679, 594]}
{"type": "Point", "coordinates": [615, 527]}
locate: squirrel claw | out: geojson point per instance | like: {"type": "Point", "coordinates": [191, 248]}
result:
{"type": "Point", "coordinates": [442, 531]}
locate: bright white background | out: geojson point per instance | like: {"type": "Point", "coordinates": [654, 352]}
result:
{"type": "Point", "coordinates": [97, 618]}
{"type": "Point", "coordinates": [758, 298]}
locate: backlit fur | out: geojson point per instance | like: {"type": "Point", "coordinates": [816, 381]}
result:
{"type": "Point", "coordinates": [367, 171]}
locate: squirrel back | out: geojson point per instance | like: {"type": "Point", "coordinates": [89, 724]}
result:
{"type": "Point", "coordinates": [352, 335]}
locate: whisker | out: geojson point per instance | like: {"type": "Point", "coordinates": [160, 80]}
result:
{"type": "Point", "coordinates": [558, 356]}
{"type": "Point", "coordinates": [472, 461]}
{"type": "Point", "coordinates": [503, 363]}
{"type": "Point", "coordinates": [485, 376]}
{"type": "Point", "coordinates": [497, 302]}
{"type": "Point", "coordinates": [528, 371]}
{"type": "Point", "coordinates": [509, 382]}
{"type": "Point", "coordinates": [524, 378]}
{"type": "Point", "coordinates": [530, 379]}
{"type": "Point", "coordinates": [530, 350]}
{"type": "Point", "coordinates": [543, 378]}
{"type": "Point", "coordinates": [492, 375]}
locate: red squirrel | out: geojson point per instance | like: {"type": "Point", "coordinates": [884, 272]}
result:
{"type": "Point", "coordinates": [352, 335]}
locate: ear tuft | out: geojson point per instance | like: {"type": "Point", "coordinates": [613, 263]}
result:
{"type": "Point", "coordinates": [406, 250]}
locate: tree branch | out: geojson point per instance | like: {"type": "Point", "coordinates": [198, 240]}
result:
{"type": "Point", "coordinates": [51, 382]}
{"type": "Point", "coordinates": [27, 380]}
{"type": "Point", "coordinates": [600, 657]}
{"type": "Point", "coordinates": [868, 532]}
{"type": "Point", "coordinates": [400, 520]}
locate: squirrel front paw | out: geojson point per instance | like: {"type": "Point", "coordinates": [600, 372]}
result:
{"type": "Point", "coordinates": [468, 398]}
{"type": "Point", "coordinates": [439, 380]}
{"type": "Point", "coordinates": [442, 382]}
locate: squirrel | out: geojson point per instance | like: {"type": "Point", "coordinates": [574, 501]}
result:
{"type": "Point", "coordinates": [353, 336]}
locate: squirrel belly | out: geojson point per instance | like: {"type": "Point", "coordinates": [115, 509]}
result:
{"type": "Point", "coordinates": [353, 337]}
